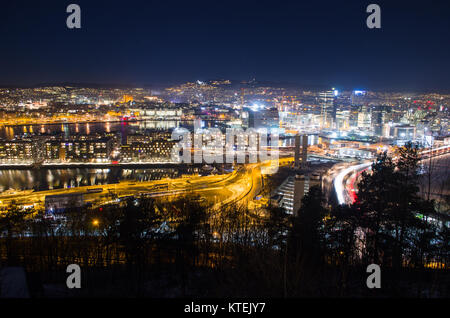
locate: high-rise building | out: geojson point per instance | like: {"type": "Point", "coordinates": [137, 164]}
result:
{"type": "Point", "coordinates": [290, 193]}
{"type": "Point", "coordinates": [304, 152]}
{"type": "Point", "coordinates": [364, 118]}
{"type": "Point", "coordinates": [326, 102]}
{"type": "Point", "coordinates": [297, 151]}
{"type": "Point", "coordinates": [342, 120]}
{"type": "Point", "coordinates": [263, 118]}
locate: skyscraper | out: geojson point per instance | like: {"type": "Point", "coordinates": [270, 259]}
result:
{"type": "Point", "coordinates": [326, 102]}
{"type": "Point", "coordinates": [365, 118]}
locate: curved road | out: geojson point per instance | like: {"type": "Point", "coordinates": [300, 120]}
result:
{"type": "Point", "coordinates": [345, 187]}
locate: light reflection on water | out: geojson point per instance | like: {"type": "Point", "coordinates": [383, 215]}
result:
{"type": "Point", "coordinates": [48, 179]}
{"type": "Point", "coordinates": [45, 179]}
{"type": "Point", "coordinates": [9, 132]}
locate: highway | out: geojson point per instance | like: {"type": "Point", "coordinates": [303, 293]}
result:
{"type": "Point", "coordinates": [435, 177]}
{"type": "Point", "coordinates": [242, 185]}
{"type": "Point", "coordinates": [345, 176]}
{"type": "Point", "coordinates": [343, 186]}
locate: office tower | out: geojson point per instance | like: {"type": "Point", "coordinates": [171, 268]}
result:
{"type": "Point", "coordinates": [326, 102]}
{"type": "Point", "coordinates": [364, 118]}
{"type": "Point", "coordinates": [342, 120]}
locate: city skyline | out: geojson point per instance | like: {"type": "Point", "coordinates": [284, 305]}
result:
{"type": "Point", "coordinates": [240, 149]}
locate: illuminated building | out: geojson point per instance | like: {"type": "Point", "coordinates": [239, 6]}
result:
{"type": "Point", "coordinates": [127, 98]}
{"type": "Point", "coordinates": [405, 132]}
{"type": "Point", "coordinates": [291, 192]}
{"type": "Point", "coordinates": [284, 195]}
{"type": "Point", "coordinates": [157, 112]}
{"type": "Point", "coordinates": [355, 153]}
{"type": "Point", "coordinates": [151, 146]}
{"type": "Point", "coordinates": [154, 151]}
{"type": "Point", "coordinates": [16, 151]}
{"type": "Point", "coordinates": [263, 118]}
{"type": "Point", "coordinates": [327, 113]}
{"type": "Point", "coordinates": [364, 118]}
{"type": "Point", "coordinates": [149, 137]}
{"type": "Point", "coordinates": [304, 152]}
{"type": "Point", "coordinates": [342, 120]}
{"type": "Point", "coordinates": [78, 149]}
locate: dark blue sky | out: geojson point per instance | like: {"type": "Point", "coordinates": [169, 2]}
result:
{"type": "Point", "coordinates": [306, 42]}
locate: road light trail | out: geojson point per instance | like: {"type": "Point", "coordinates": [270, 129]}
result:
{"type": "Point", "coordinates": [241, 185]}
{"type": "Point", "coordinates": [339, 180]}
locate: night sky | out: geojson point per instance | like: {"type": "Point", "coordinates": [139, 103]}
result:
{"type": "Point", "coordinates": [162, 42]}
